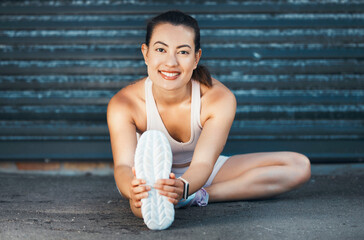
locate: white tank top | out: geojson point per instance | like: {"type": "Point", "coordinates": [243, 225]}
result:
{"type": "Point", "coordinates": [182, 152]}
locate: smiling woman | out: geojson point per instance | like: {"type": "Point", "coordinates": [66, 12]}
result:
{"type": "Point", "coordinates": [181, 50]}
{"type": "Point", "coordinates": [195, 113]}
{"type": "Point", "coordinates": [170, 56]}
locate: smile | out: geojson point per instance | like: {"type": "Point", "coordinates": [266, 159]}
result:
{"type": "Point", "coordinates": [169, 75]}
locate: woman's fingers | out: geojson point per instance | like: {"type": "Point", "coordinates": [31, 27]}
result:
{"type": "Point", "coordinates": [136, 182]}
{"type": "Point", "coordinates": [170, 182]}
{"type": "Point", "coordinates": [141, 189]}
{"type": "Point", "coordinates": [138, 190]}
{"type": "Point", "coordinates": [171, 188]}
{"type": "Point", "coordinates": [167, 188]}
{"type": "Point", "coordinates": [173, 201]}
{"type": "Point", "coordinates": [136, 198]}
{"type": "Point", "coordinates": [172, 185]}
{"type": "Point", "coordinates": [168, 194]}
{"type": "Point", "coordinates": [138, 204]}
{"type": "Point", "coordinates": [140, 196]}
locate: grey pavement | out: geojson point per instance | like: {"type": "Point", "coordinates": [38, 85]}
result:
{"type": "Point", "coordinates": [48, 206]}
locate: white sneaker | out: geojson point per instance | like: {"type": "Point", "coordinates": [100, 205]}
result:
{"type": "Point", "coordinates": [153, 161]}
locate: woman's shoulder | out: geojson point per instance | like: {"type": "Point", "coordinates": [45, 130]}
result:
{"type": "Point", "coordinates": [218, 92]}
{"type": "Point", "coordinates": [129, 97]}
{"type": "Point", "coordinates": [131, 92]}
{"type": "Point", "coordinates": [217, 100]}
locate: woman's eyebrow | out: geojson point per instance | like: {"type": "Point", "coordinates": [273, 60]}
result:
{"type": "Point", "coordinates": [181, 46]}
{"type": "Point", "coordinates": [160, 43]}
{"type": "Point", "coordinates": [185, 45]}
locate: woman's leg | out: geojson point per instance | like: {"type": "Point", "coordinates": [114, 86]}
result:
{"type": "Point", "coordinates": [259, 175]}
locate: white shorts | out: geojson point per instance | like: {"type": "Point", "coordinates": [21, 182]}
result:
{"type": "Point", "coordinates": [220, 161]}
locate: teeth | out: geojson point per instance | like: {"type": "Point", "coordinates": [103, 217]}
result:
{"type": "Point", "coordinates": [170, 74]}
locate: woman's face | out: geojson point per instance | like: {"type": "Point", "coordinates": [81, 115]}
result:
{"type": "Point", "coordinates": [171, 56]}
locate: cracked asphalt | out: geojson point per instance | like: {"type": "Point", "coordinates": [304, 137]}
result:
{"type": "Point", "coordinates": [48, 206]}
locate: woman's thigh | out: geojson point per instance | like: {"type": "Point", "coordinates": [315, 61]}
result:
{"type": "Point", "coordinates": [240, 164]}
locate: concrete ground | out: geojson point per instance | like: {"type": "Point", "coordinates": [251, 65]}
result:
{"type": "Point", "coordinates": [44, 206]}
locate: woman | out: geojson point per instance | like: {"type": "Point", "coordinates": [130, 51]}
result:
{"type": "Point", "coordinates": [196, 112]}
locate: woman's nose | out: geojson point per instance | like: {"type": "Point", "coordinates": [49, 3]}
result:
{"type": "Point", "coordinates": [171, 60]}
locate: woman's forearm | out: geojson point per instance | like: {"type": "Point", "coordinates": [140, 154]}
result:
{"type": "Point", "coordinates": [197, 175]}
{"type": "Point", "coordinates": [123, 176]}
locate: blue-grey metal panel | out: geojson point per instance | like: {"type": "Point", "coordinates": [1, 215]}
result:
{"type": "Point", "coordinates": [296, 68]}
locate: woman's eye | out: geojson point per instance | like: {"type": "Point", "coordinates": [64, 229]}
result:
{"type": "Point", "coordinates": [160, 50]}
{"type": "Point", "coordinates": [184, 52]}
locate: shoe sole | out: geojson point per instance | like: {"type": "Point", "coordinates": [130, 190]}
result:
{"type": "Point", "coordinates": [153, 161]}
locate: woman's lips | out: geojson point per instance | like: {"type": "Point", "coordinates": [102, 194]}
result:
{"type": "Point", "coordinates": [169, 75]}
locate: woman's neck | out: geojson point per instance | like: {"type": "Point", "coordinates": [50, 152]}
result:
{"type": "Point", "coordinates": [172, 97]}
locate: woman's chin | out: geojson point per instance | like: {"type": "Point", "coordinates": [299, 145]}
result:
{"type": "Point", "coordinates": [170, 85]}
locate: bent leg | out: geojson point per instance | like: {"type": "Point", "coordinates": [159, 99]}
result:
{"type": "Point", "coordinates": [259, 175]}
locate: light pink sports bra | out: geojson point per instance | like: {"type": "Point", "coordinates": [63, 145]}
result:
{"type": "Point", "coordinates": [182, 152]}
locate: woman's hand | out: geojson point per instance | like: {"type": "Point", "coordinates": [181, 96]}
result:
{"type": "Point", "coordinates": [138, 190]}
{"type": "Point", "coordinates": [171, 188]}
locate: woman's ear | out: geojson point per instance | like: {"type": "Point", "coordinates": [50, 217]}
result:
{"type": "Point", "coordinates": [144, 49]}
{"type": "Point", "coordinates": [197, 57]}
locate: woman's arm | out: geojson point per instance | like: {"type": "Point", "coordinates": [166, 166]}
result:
{"type": "Point", "coordinates": [123, 143]}
{"type": "Point", "coordinates": [219, 112]}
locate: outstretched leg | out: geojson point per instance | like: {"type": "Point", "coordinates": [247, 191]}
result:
{"type": "Point", "coordinates": [259, 175]}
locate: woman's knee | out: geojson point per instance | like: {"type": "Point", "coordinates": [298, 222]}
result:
{"type": "Point", "coordinates": [301, 165]}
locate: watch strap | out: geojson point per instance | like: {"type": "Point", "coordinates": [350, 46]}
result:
{"type": "Point", "coordinates": [186, 186]}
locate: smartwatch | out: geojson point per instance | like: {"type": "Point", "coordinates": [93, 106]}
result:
{"type": "Point", "coordinates": [186, 186]}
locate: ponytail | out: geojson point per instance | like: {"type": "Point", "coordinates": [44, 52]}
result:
{"type": "Point", "coordinates": [202, 74]}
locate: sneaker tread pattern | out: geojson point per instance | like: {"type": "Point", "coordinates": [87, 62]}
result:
{"type": "Point", "coordinates": [153, 161]}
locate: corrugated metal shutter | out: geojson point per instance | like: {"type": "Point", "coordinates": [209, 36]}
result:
{"type": "Point", "coordinates": [295, 67]}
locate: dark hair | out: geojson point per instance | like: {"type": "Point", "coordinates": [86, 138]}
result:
{"type": "Point", "coordinates": [175, 17]}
